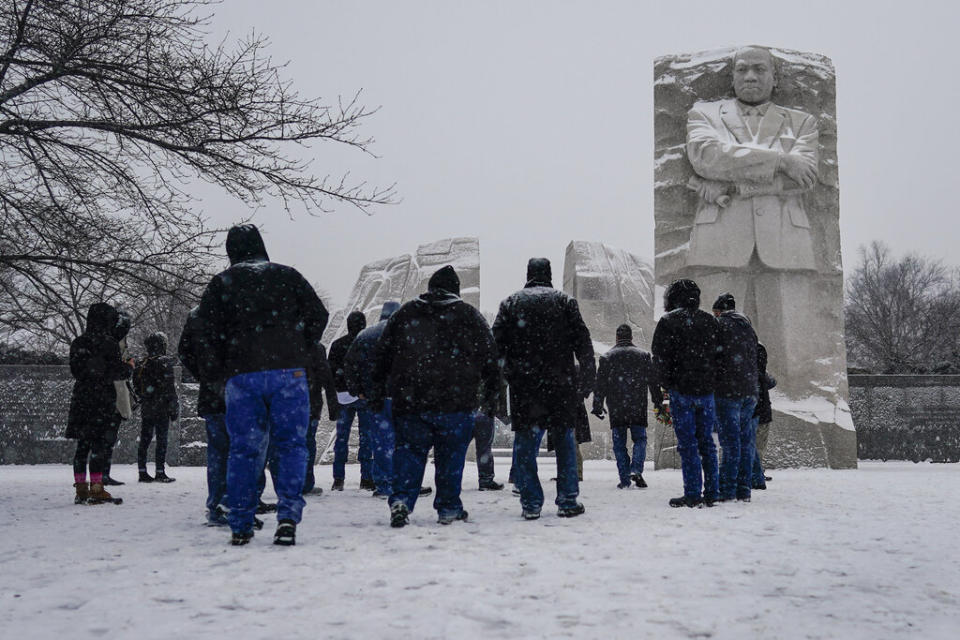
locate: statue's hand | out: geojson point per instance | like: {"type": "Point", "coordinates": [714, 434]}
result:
{"type": "Point", "coordinates": [711, 191]}
{"type": "Point", "coordinates": [798, 170]}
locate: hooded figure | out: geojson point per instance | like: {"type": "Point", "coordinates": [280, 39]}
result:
{"type": "Point", "coordinates": [356, 322]}
{"type": "Point", "coordinates": [155, 382]}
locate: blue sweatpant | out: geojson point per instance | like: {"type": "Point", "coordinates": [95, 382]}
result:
{"type": "Point", "coordinates": [266, 406]}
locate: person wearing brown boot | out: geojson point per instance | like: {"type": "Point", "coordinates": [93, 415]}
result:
{"type": "Point", "coordinates": [99, 495]}
{"type": "Point", "coordinates": [83, 492]}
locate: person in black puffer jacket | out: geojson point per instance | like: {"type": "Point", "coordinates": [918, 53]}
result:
{"type": "Point", "coordinates": [625, 375]}
{"type": "Point", "coordinates": [736, 398]}
{"type": "Point", "coordinates": [685, 353]}
{"type": "Point", "coordinates": [762, 418]}
{"type": "Point", "coordinates": [351, 406]}
{"type": "Point", "coordinates": [540, 333]}
{"type": "Point", "coordinates": [435, 353]}
{"type": "Point", "coordinates": [95, 364]}
{"type": "Point", "coordinates": [155, 383]}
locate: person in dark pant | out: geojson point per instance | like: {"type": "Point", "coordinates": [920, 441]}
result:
{"type": "Point", "coordinates": [263, 323]}
{"type": "Point", "coordinates": [157, 388]}
{"type": "Point", "coordinates": [762, 417]}
{"type": "Point", "coordinates": [95, 364]}
{"type": "Point", "coordinates": [431, 360]}
{"type": "Point", "coordinates": [684, 348]}
{"type": "Point", "coordinates": [124, 400]}
{"type": "Point", "coordinates": [624, 377]}
{"type": "Point", "coordinates": [539, 332]}
{"type": "Point", "coordinates": [322, 384]}
{"type": "Point", "coordinates": [736, 398]}
{"type": "Point", "coordinates": [484, 430]}
{"type": "Point", "coordinates": [350, 407]}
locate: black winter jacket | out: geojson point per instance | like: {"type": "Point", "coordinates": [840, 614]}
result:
{"type": "Point", "coordinates": [191, 349]}
{"type": "Point", "coordinates": [155, 382]}
{"type": "Point", "coordinates": [320, 382]}
{"type": "Point", "coordinates": [258, 315]}
{"type": "Point", "coordinates": [356, 322]}
{"type": "Point", "coordinates": [765, 381]}
{"type": "Point", "coordinates": [539, 332]}
{"type": "Point", "coordinates": [95, 364]}
{"type": "Point", "coordinates": [625, 375]}
{"type": "Point", "coordinates": [685, 347]}
{"type": "Point", "coordinates": [433, 355]}
{"type": "Point", "coordinates": [737, 361]}
{"type": "Point", "coordinates": [358, 363]}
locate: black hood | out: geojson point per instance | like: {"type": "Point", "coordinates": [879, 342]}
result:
{"type": "Point", "coordinates": [244, 244]}
{"type": "Point", "coordinates": [445, 279]}
{"type": "Point", "coordinates": [356, 322]}
{"type": "Point", "coordinates": [102, 318]}
{"type": "Point", "coordinates": [539, 272]}
{"type": "Point", "coordinates": [761, 357]}
{"type": "Point", "coordinates": [682, 294]}
{"type": "Point", "coordinates": [389, 308]}
{"type": "Point", "coordinates": [122, 328]}
{"type": "Point", "coordinates": [156, 344]}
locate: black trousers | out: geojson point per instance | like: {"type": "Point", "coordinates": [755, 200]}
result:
{"type": "Point", "coordinates": [153, 423]}
{"type": "Point", "coordinates": [94, 449]}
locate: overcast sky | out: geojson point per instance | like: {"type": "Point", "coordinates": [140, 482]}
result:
{"type": "Point", "coordinates": [529, 124]}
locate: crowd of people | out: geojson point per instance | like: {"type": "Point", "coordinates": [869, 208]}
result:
{"type": "Point", "coordinates": [431, 374]}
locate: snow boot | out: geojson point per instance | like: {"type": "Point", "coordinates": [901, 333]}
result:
{"type": "Point", "coordinates": [571, 512]}
{"type": "Point", "coordinates": [217, 517]}
{"type": "Point", "coordinates": [83, 492]}
{"type": "Point", "coordinates": [110, 482]}
{"type": "Point", "coordinates": [453, 517]}
{"type": "Point", "coordinates": [531, 515]}
{"type": "Point", "coordinates": [145, 477]}
{"type": "Point", "coordinates": [286, 535]}
{"type": "Point", "coordinates": [240, 539]}
{"type": "Point", "coordinates": [99, 495]}
{"type": "Point", "coordinates": [684, 501]}
{"type": "Point", "coordinates": [367, 485]}
{"type": "Point", "coordinates": [624, 485]}
{"type": "Point", "coordinates": [337, 484]}
{"type": "Point", "coordinates": [638, 479]}
{"type": "Point", "coordinates": [161, 476]}
{"type": "Point", "coordinates": [399, 515]}
{"type": "Point", "coordinates": [264, 507]}
{"type": "Point", "coordinates": [490, 485]}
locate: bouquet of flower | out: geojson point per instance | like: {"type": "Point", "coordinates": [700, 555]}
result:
{"type": "Point", "coordinates": [662, 412]}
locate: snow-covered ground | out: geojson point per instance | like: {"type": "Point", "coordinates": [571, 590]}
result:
{"type": "Point", "coordinates": [871, 553]}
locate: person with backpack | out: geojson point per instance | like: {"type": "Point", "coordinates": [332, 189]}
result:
{"type": "Point", "coordinates": [156, 386]}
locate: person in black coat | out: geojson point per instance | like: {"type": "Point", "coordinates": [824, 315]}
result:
{"type": "Point", "coordinates": [263, 323]}
{"type": "Point", "coordinates": [624, 377]}
{"type": "Point", "coordinates": [212, 408]}
{"type": "Point", "coordinates": [762, 418]}
{"type": "Point", "coordinates": [95, 364]}
{"type": "Point", "coordinates": [541, 336]}
{"type": "Point", "coordinates": [736, 398]}
{"type": "Point", "coordinates": [124, 399]}
{"type": "Point", "coordinates": [685, 349]}
{"type": "Point", "coordinates": [156, 385]}
{"type": "Point", "coordinates": [321, 381]}
{"type": "Point", "coordinates": [351, 406]}
{"type": "Point", "coordinates": [435, 353]}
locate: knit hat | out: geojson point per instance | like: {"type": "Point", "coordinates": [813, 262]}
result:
{"type": "Point", "coordinates": [624, 332]}
{"type": "Point", "coordinates": [446, 279]}
{"type": "Point", "coordinates": [725, 303]}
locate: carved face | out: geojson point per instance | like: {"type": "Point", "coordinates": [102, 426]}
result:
{"type": "Point", "coordinates": [753, 79]}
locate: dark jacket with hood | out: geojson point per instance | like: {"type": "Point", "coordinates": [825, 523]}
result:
{"type": "Point", "coordinates": [685, 343]}
{"type": "Point", "coordinates": [258, 315]}
{"type": "Point", "coordinates": [625, 375]}
{"type": "Point", "coordinates": [155, 382]}
{"type": "Point", "coordinates": [765, 382]}
{"type": "Point", "coordinates": [358, 361]}
{"type": "Point", "coordinates": [320, 382]}
{"type": "Point", "coordinates": [191, 349]}
{"type": "Point", "coordinates": [539, 333]}
{"type": "Point", "coordinates": [435, 353]}
{"type": "Point", "coordinates": [95, 364]}
{"type": "Point", "coordinates": [737, 357]}
{"type": "Point", "coordinates": [356, 322]}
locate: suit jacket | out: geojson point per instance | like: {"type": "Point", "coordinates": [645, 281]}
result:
{"type": "Point", "coordinates": [766, 208]}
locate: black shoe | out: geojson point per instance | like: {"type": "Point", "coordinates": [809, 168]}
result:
{"type": "Point", "coordinates": [449, 519]}
{"type": "Point", "coordinates": [710, 502]}
{"type": "Point", "coordinates": [624, 485]}
{"type": "Point", "coordinates": [767, 478]}
{"type": "Point", "coordinates": [257, 523]}
{"type": "Point", "coordinates": [760, 487]}
{"type": "Point", "coordinates": [217, 517]}
{"type": "Point", "coordinates": [491, 485]}
{"type": "Point", "coordinates": [286, 535]}
{"type": "Point", "coordinates": [240, 539]}
{"type": "Point", "coordinates": [571, 512]}
{"type": "Point", "coordinates": [743, 498]}
{"type": "Point", "coordinates": [531, 515]}
{"type": "Point", "coordinates": [399, 515]}
{"type": "Point", "coordinates": [638, 479]}
{"type": "Point", "coordinates": [264, 507]}
{"type": "Point", "coordinates": [316, 491]}
{"type": "Point", "coordinates": [381, 494]}
{"type": "Point", "coordinates": [367, 485]}
{"type": "Point", "coordinates": [337, 484]}
{"type": "Point", "coordinates": [425, 491]}
{"type": "Point", "coordinates": [110, 482]}
{"type": "Point", "coordinates": [684, 501]}
{"type": "Point", "coordinates": [515, 491]}
{"type": "Point", "coordinates": [163, 477]}
{"type": "Point", "coordinates": [145, 477]}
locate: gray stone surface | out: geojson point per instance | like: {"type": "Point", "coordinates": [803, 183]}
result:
{"type": "Point", "coordinates": [612, 287]}
{"type": "Point", "coordinates": [768, 240]}
{"type": "Point", "coordinates": [907, 417]}
{"type": "Point", "coordinates": [405, 277]}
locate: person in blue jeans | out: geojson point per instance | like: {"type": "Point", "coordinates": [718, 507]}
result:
{"type": "Point", "coordinates": [685, 352]}
{"type": "Point", "coordinates": [539, 334]}
{"type": "Point", "coordinates": [350, 409]}
{"type": "Point", "coordinates": [261, 325]}
{"type": "Point", "coordinates": [435, 354]}
{"type": "Point", "coordinates": [736, 398]}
